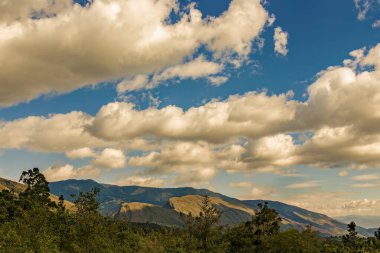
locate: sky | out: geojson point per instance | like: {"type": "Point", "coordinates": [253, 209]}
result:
{"type": "Point", "coordinates": [253, 99]}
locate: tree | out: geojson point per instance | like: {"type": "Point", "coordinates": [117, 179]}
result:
{"type": "Point", "coordinates": [87, 202]}
{"type": "Point", "coordinates": [37, 189]}
{"type": "Point", "coordinates": [377, 234]}
{"type": "Point", "coordinates": [9, 208]}
{"type": "Point", "coordinates": [240, 238]}
{"type": "Point", "coordinates": [352, 229]}
{"type": "Point", "coordinates": [203, 229]}
{"type": "Point", "coordinates": [88, 229]}
{"type": "Point", "coordinates": [351, 240]}
{"type": "Point", "coordinates": [266, 222]}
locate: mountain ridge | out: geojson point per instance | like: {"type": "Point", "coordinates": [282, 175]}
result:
{"type": "Point", "coordinates": [112, 198]}
{"type": "Point", "coordinates": [163, 206]}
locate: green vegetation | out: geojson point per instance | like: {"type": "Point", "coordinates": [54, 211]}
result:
{"type": "Point", "coordinates": [31, 222]}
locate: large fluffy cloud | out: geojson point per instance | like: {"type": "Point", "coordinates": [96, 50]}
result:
{"type": "Point", "coordinates": [110, 158]}
{"type": "Point", "coordinates": [71, 46]}
{"type": "Point", "coordinates": [336, 126]}
{"type": "Point", "coordinates": [80, 153]}
{"type": "Point", "coordinates": [190, 162]}
{"type": "Point", "coordinates": [23, 10]}
{"type": "Point", "coordinates": [55, 133]}
{"type": "Point", "coordinates": [254, 114]}
{"type": "Point", "coordinates": [334, 204]}
{"type": "Point", "coordinates": [67, 171]}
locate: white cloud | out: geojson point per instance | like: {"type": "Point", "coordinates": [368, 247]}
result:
{"type": "Point", "coordinates": [111, 159]}
{"type": "Point", "coordinates": [57, 172]}
{"type": "Point", "coordinates": [109, 40]}
{"type": "Point", "coordinates": [259, 192]}
{"type": "Point", "coordinates": [80, 153]}
{"type": "Point", "coordinates": [23, 10]}
{"type": "Point", "coordinates": [343, 173]}
{"type": "Point", "coordinates": [136, 83]}
{"type": "Point", "coordinates": [334, 204]}
{"type": "Point", "coordinates": [190, 162]}
{"type": "Point", "coordinates": [217, 80]}
{"type": "Point", "coordinates": [366, 177]}
{"type": "Point", "coordinates": [363, 206]}
{"type": "Point", "coordinates": [273, 151]}
{"type": "Point", "coordinates": [304, 185]}
{"type": "Point", "coordinates": [241, 185]}
{"type": "Point", "coordinates": [363, 6]}
{"type": "Point", "coordinates": [366, 185]}
{"type": "Point", "coordinates": [280, 41]}
{"type": "Point", "coordinates": [376, 24]}
{"type": "Point", "coordinates": [271, 19]}
{"type": "Point", "coordinates": [140, 181]}
{"type": "Point", "coordinates": [249, 132]}
{"type": "Point", "coordinates": [194, 69]}
{"type": "Point", "coordinates": [254, 114]}
{"type": "Point", "coordinates": [55, 133]}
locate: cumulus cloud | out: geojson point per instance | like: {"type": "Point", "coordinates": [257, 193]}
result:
{"type": "Point", "coordinates": [273, 151]}
{"type": "Point", "coordinates": [334, 204]}
{"type": "Point", "coordinates": [304, 185]}
{"type": "Point", "coordinates": [363, 205]}
{"type": "Point", "coordinates": [253, 115]}
{"type": "Point", "coordinates": [75, 46]}
{"type": "Point", "coordinates": [259, 192]}
{"type": "Point", "coordinates": [55, 133]}
{"type": "Point", "coordinates": [190, 162]}
{"type": "Point", "coordinates": [217, 80]}
{"type": "Point", "coordinates": [110, 158]}
{"type": "Point", "coordinates": [23, 10]}
{"type": "Point", "coordinates": [194, 69]}
{"type": "Point", "coordinates": [250, 132]}
{"type": "Point", "coordinates": [241, 185]}
{"type": "Point", "coordinates": [365, 185]}
{"type": "Point", "coordinates": [140, 181]}
{"type": "Point", "coordinates": [366, 177]}
{"type": "Point", "coordinates": [280, 41]}
{"type": "Point", "coordinates": [67, 171]}
{"type": "Point", "coordinates": [80, 153]}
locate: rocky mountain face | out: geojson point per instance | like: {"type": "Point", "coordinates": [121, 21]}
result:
{"type": "Point", "coordinates": [163, 206]}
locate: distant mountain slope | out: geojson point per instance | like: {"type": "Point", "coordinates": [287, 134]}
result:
{"type": "Point", "coordinates": [6, 184]}
{"type": "Point", "coordinates": [364, 221]}
{"type": "Point", "coordinates": [148, 213]}
{"type": "Point", "coordinates": [112, 196]}
{"type": "Point", "coordinates": [159, 205]}
{"type": "Point", "coordinates": [10, 185]}
{"type": "Point", "coordinates": [232, 213]}
{"type": "Point", "coordinates": [299, 217]}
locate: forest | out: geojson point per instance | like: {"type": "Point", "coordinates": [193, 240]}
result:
{"type": "Point", "coordinates": [31, 221]}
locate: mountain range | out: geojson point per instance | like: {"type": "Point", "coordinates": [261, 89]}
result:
{"type": "Point", "coordinates": [163, 206]}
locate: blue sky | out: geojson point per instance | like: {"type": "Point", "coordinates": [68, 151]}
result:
{"type": "Point", "coordinates": [95, 91]}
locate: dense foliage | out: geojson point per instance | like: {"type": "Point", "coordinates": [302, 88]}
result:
{"type": "Point", "coordinates": [31, 222]}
